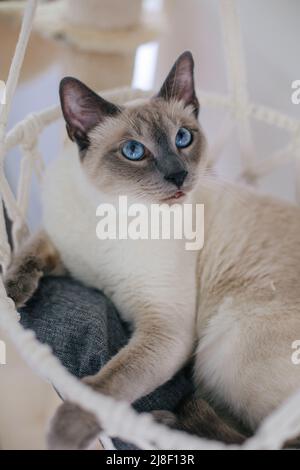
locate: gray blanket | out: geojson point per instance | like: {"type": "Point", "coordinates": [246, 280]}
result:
{"type": "Point", "coordinates": [84, 331]}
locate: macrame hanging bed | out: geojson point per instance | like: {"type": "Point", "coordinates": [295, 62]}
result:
{"type": "Point", "coordinates": [118, 419]}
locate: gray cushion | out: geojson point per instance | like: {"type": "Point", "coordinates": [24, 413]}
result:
{"type": "Point", "coordinates": [84, 331]}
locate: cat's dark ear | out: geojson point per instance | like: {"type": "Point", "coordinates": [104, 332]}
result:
{"type": "Point", "coordinates": [82, 109]}
{"type": "Point", "coordinates": [179, 84]}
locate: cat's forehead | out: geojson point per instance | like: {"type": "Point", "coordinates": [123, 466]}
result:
{"type": "Point", "coordinates": [158, 111]}
{"type": "Point", "coordinates": [143, 118]}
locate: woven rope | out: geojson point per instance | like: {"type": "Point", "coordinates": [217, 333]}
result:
{"type": "Point", "coordinates": [237, 81]}
{"type": "Point", "coordinates": [117, 418]}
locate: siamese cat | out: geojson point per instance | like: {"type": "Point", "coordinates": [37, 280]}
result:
{"type": "Point", "coordinates": [234, 305]}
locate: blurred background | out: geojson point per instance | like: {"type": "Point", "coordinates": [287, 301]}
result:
{"type": "Point", "coordinates": [113, 43]}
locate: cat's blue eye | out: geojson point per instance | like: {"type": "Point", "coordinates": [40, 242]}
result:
{"type": "Point", "coordinates": [133, 150]}
{"type": "Point", "coordinates": [183, 138]}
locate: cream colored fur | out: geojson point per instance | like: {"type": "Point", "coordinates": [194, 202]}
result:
{"type": "Point", "coordinates": [248, 301]}
{"type": "Point", "coordinates": [138, 276]}
{"type": "Point", "coordinates": [245, 282]}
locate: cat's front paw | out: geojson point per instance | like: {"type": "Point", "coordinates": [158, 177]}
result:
{"type": "Point", "coordinates": [72, 428]}
{"type": "Point", "coordinates": [22, 281]}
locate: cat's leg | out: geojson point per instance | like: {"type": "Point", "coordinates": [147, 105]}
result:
{"type": "Point", "coordinates": [154, 354]}
{"type": "Point", "coordinates": [196, 416]}
{"type": "Point", "coordinates": [37, 257]}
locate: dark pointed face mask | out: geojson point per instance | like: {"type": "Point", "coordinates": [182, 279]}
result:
{"type": "Point", "coordinates": [149, 149]}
